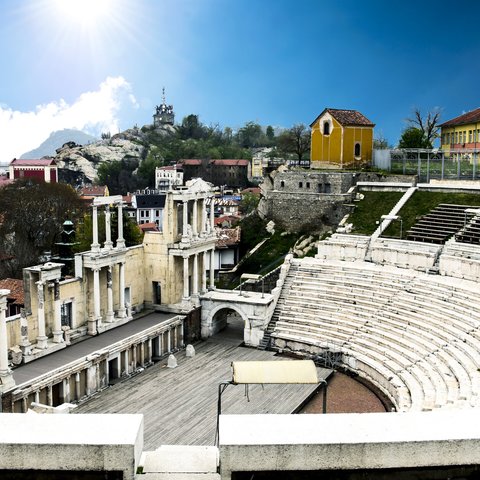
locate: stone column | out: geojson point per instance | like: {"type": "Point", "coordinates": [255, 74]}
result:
{"type": "Point", "coordinates": [120, 239]}
{"type": "Point", "coordinates": [185, 278]}
{"type": "Point", "coordinates": [108, 229]}
{"type": "Point", "coordinates": [25, 344]}
{"type": "Point", "coordinates": [195, 219]}
{"type": "Point", "coordinates": [142, 354]}
{"type": "Point", "coordinates": [50, 395]}
{"type": "Point", "coordinates": [110, 313]}
{"type": "Point", "coordinates": [195, 274]}
{"type": "Point", "coordinates": [6, 377]}
{"type": "Point", "coordinates": [57, 322]}
{"type": "Point", "coordinates": [212, 269]}
{"type": "Point", "coordinates": [182, 340]}
{"type": "Point", "coordinates": [212, 215]}
{"type": "Point", "coordinates": [204, 272]}
{"type": "Point", "coordinates": [204, 218]}
{"type": "Point", "coordinates": [95, 245]}
{"type": "Point", "coordinates": [121, 309]}
{"type": "Point", "coordinates": [92, 321]}
{"type": "Point", "coordinates": [42, 338]}
{"type": "Point", "coordinates": [78, 393]}
{"type": "Point", "coordinates": [185, 219]}
{"type": "Point", "coordinates": [169, 340]}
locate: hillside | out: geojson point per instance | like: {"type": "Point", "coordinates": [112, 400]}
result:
{"type": "Point", "coordinates": [56, 140]}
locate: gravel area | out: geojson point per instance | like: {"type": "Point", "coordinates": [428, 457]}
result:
{"type": "Point", "coordinates": [345, 395]}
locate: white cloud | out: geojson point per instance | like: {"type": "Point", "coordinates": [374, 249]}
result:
{"type": "Point", "coordinates": [93, 112]}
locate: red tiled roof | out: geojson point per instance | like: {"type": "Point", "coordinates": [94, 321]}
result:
{"type": "Point", "coordinates": [231, 162]}
{"type": "Point", "coordinates": [191, 161]}
{"type": "Point", "coordinates": [94, 190]}
{"type": "Point", "coordinates": [16, 289]}
{"type": "Point", "coordinates": [226, 218]}
{"type": "Point", "coordinates": [347, 117]}
{"type": "Point", "coordinates": [148, 227]}
{"type": "Point", "coordinates": [254, 190]}
{"type": "Point", "coordinates": [469, 117]}
{"type": "Point", "coordinates": [40, 162]}
{"type": "Point", "coordinates": [227, 237]}
{"type": "Point", "coordinates": [174, 167]}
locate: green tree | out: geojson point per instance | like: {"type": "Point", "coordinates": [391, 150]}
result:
{"type": "Point", "coordinates": [191, 127]}
{"type": "Point", "coordinates": [250, 135]}
{"type": "Point", "coordinates": [249, 203]}
{"type": "Point", "coordinates": [295, 140]}
{"type": "Point", "coordinates": [146, 170]}
{"type": "Point", "coordinates": [32, 216]}
{"type": "Point", "coordinates": [118, 176]}
{"type": "Point", "coordinates": [270, 133]}
{"type": "Point", "coordinates": [413, 137]}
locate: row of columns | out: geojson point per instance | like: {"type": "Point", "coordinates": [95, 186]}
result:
{"type": "Point", "coordinates": [122, 311]}
{"type": "Point", "coordinates": [186, 273]}
{"type": "Point", "coordinates": [42, 339]}
{"type": "Point", "coordinates": [93, 378]}
{"type": "Point", "coordinates": [108, 245]}
{"type": "Point", "coordinates": [204, 227]}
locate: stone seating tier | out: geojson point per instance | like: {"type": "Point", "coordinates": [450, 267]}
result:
{"type": "Point", "coordinates": [423, 333]}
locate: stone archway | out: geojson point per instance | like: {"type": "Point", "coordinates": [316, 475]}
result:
{"type": "Point", "coordinates": [228, 318]}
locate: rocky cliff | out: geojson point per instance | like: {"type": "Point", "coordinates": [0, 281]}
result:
{"type": "Point", "coordinates": [78, 164]}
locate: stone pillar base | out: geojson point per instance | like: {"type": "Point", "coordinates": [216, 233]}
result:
{"type": "Point", "coordinates": [42, 343]}
{"type": "Point", "coordinates": [92, 326]}
{"type": "Point", "coordinates": [122, 313]}
{"type": "Point", "coordinates": [58, 337]}
{"type": "Point", "coordinates": [26, 348]}
{"type": "Point", "coordinates": [110, 317]}
{"type": "Point", "coordinates": [6, 380]}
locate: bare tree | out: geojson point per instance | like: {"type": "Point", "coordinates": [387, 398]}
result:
{"type": "Point", "coordinates": [428, 124]}
{"type": "Point", "coordinates": [295, 140]}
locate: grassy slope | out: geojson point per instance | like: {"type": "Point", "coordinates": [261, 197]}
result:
{"type": "Point", "coordinates": [422, 202]}
{"type": "Point", "coordinates": [369, 210]}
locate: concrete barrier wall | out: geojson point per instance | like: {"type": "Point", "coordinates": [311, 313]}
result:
{"type": "Point", "coordinates": [71, 442]}
{"type": "Point", "coordinates": [255, 443]}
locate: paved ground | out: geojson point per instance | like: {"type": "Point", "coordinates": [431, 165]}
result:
{"type": "Point", "coordinates": [180, 405]}
{"type": "Point", "coordinates": [27, 372]}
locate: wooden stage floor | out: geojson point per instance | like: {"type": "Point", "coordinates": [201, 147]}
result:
{"type": "Point", "coordinates": [180, 405]}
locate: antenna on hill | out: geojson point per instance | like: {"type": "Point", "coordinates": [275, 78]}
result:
{"type": "Point", "coordinates": [163, 95]}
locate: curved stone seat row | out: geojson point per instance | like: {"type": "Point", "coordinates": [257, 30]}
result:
{"type": "Point", "coordinates": [415, 336]}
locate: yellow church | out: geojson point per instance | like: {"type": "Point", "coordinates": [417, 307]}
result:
{"type": "Point", "coordinates": [341, 138]}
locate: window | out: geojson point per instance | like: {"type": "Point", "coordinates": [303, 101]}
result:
{"type": "Point", "coordinates": [357, 150]}
{"type": "Point", "coordinates": [470, 136]}
{"type": "Point", "coordinates": [308, 185]}
{"type": "Point", "coordinates": [282, 184]}
{"type": "Point", "coordinates": [66, 314]}
{"type": "Point", "coordinates": [326, 128]}
{"type": "Point", "coordinates": [300, 184]}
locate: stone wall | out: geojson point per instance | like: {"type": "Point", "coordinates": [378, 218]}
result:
{"type": "Point", "coordinates": [309, 201]}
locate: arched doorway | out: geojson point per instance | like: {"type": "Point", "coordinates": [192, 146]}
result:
{"type": "Point", "coordinates": [228, 323]}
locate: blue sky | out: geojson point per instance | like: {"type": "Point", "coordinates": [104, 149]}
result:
{"type": "Point", "coordinates": [101, 64]}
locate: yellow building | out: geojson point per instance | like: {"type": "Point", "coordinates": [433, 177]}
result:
{"type": "Point", "coordinates": [461, 132]}
{"type": "Point", "coordinates": [342, 138]}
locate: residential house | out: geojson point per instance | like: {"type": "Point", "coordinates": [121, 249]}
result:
{"type": "Point", "coordinates": [341, 138]}
{"type": "Point", "coordinates": [461, 133]}
{"type": "Point", "coordinates": [149, 207]}
{"type": "Point", "coordinates": [168, 177]}
{"type": "Point", "coordinates": [232, 173]}
{"type": "Point", "coordinates": [16, 298]}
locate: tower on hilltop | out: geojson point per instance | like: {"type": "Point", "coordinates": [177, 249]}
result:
{"type": "Point", "coordinates": [163, 113]}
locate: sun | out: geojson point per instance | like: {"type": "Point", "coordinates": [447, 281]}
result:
{"type": "Point", "coordinates": [84, 12]}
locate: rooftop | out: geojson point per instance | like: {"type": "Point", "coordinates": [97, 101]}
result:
{"type": "Point", "coordinates": [16, 290]}
{"type": "Point", "coordinates": [347, 117]}
{"type": "Point", "coordinates": [470, 117]}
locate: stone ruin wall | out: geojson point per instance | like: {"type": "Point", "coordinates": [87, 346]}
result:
{"type": "Point", "coordinates": [300, 202]}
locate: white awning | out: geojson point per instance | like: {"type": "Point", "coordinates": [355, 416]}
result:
{"type": "Point", "coordinates": [288, 371]}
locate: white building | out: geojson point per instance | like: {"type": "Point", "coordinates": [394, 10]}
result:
{"type": "Point", "coordinates": [167, 177]}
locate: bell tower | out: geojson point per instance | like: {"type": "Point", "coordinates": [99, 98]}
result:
{"type": "Point", "coordinates": [163, 113]}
